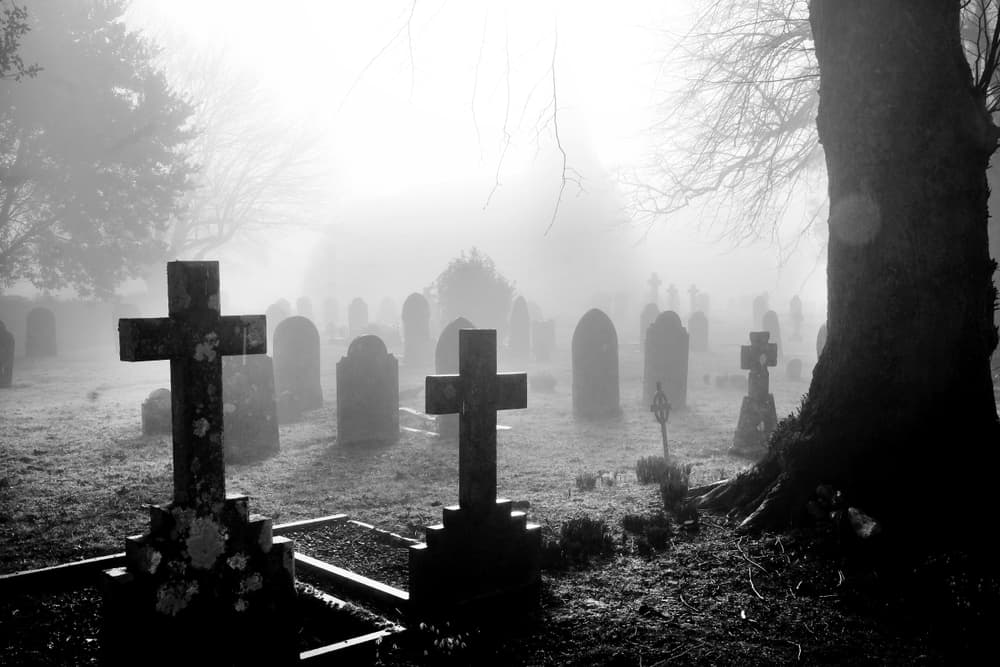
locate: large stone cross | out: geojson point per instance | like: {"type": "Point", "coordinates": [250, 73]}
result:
{"type": "Point", "coordinates": [476, 393]}
{"type": "Point", "coordinates": [756, 357]}
{"type": "Point", "coordinates": [194, 337]}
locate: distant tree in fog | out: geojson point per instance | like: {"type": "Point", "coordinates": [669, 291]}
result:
{"type": "Point", "coordinates": [471, 287]}
{"type": "Point", "coordinates": [92, 151]}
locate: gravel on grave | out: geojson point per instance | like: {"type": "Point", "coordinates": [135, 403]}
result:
{"type": "Point", "coordinates": [357, 549]}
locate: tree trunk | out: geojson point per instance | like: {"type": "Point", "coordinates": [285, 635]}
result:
{"type": "Point", "coordinates": [901, 406]}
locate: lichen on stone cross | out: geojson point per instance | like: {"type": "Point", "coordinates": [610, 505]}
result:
{"type": "Point", "coordinates": [756, 358]}
{"type": "Point", "coordinates": [476, 393]}
{"type": "Point", "coordinates": [194, 337]}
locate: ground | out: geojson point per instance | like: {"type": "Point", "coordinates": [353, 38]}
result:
{"type": "Point", "coordinates": [76, 473]}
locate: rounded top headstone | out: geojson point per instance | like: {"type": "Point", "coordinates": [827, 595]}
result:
{"type": "Point", "coordinates": [368, 345]}
{"type": "Point", "coordinates": [668, 320]}
{"type": "Point", "coordinates": [595, 325]}
{"type": "Point", "coordinates": [298, 326]}
{"type": "Point", "coordinates": [446, 351]}
{"type": "Point", "coordinates": [416, 307]}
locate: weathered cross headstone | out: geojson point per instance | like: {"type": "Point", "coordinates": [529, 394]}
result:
{"type": "Point", "coordinates": [416, 331]}
{"type": "Point", "coordinates": [156, 413]}
{"type": "Point", "coordinates": [661, 411]}
{"type": "Point", "coordinates": [367, 393]}
{"type": "Point", "coordinates": [698, 328]}
{"type": "Point", "coordinates": [296, 368]}
{"type": "Point", "coordinates": [646, 317]}
{"type": "Point", "coordinates": [795, 308]}
{"type": "Point", "coordinates": [40, 334]}
{"type": "Point", "coordinates": [207, 571]}
{"type": "Point", "coordinates": [759, 308]}
{"type": "Point", "coordinates": [357, 318]}
{"type": "Point", "coordinates": [483, 553]}
{"type": "Point", "coordinates": [543, 339]}
{"type": "Point", "coordinates": [250, 408]}
{"type": "Point", "coordinates": [518, 342]}
{"type": "Point", "coordinates": [666, 359]}
{"type": "Point", "coordinates": [673, 298]}
{"type": "Point", "coordinates": [820, 340]}
{"type": "Point", "coordinates": [654, 283]}
{"type": "Point", "coordinates": [757, 413]}
{"type": "Point", "coordinates": [446, 362]}
{"type": "Point", "coordinates": [773, 327]}
{"type": "Point", "coordinates": [595, 367]}
{"type": "Point", "coordinates": [6, 356]}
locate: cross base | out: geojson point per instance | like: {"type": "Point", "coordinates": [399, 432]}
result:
{"type": "Point", "coordinates": [758, 419]}
{"type": "Point", "coordinates": [477, 563]}
{"type": "Point", "coordinates": [195, 583]}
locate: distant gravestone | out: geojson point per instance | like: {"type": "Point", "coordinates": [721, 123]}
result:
{"type": "Point", "coordinates": [519, 344]}
{"type": "Point", "coordinates": [693, 293]}
{"type": "Point", "coordinates": [446, 363]}
{"type": "Point", "coordinates": [820, 340]}
{"type": "Point", "coordinates": [275, 314]}
{"type": "Point", "coordinates": [367, 393]}
{"type": "Point", "coordinates": [595, 367]}
{"type": "Point", "coordinates": [250, 410]}
{"type": "Point", "coordinates": [296, 368]}
{"type": "Point", "coordinates": [673, 298]}
{"type": "Point", "coordinates": [757, 413]}
{"type": "Point", "coordinates": [703, 302]}
{"type": "Point", "coordinates": [666, 360]}
{"type": "Point", "coordinates": [357, 318]}
{"type": "Point", "coordinates": [773, 327]}
{"type": "Point", "coordinates": [795, 312]}
{"type": "Point", "coordinates": [654, 283]}
{"type": "Point", "coordinates": [416, 331]}
{"type": "Point", "coordinates": [759, 308]}
{"type": "Point", "coordinates": [793, 370]}
{"type": "Point", "coordinates": [156, 413]}
{"type": "Point", "coordinates": [543, 339]}
{"type": "Point", "coordinates": [646, 317]}
{"type": "Point", "coordinates": [304, 307]}
{"type": "Point", "coordinates": [698, 329]}
{"type": "Point", "coordinates": [6, 356]}
{"type": "Point", "coordinates": [40, 334]}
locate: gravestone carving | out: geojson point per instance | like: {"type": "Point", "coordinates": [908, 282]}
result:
{"type": "Point", "coordinates": [367, 393]}
{"type": "Point", "coordinates": [595, 367]}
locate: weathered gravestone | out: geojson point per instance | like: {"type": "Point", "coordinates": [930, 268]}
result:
{"type": "Point", "coordinates": [693, 293]}
{"type": "Point", "coordinates": [250, 408]}
{"type": "Point", "coordinates": [296, 368]}
{"type": "Point", "coordinates": [595, 367]}
{"type": "Point", "coordinates": [367, 393]}
{"type": "Point", "coordinates": [483, 556]}
{"type": "Point", "coordinates": [649, 313]}
{"type": "Point", "coordinates": [207, 572]}
{"type": "Point", "coordinates": [416, 331]}
{"type": "Point", "coordinates": [40, 334]}
{"type": "Point", "coordinates": [543, 339]}
{"type": "Point", "coordinates": [757, 414]}
{"type": "Point", "coordinates": [304, 307]}
{"type": "Point", "coordinates": [820, 340]}
{"type": "Point", "coordinates": [446, 363]}
{"type": "Point", "coordinates": [666, 360]}
{"type": "Point", "coordinates": [795, 308]}
{"type": "Point", "coordinates": [276, 313]}
{"type": "Point", "coordinates": [357, 318]}
{"type": "Point", "coordinates": [6, 356]}
{"type": "Point", "coordinates": [759, 308]}
{"type": "Point", "coordinates": [156, 413]}
{"type": "Point", "coordinates": [698, 328]}
{"type": "Point", "coordinates": [793, 370]}
{"type": "Point", "coordinates": [519, 342]}
{"type": "Point", "coordinates": [773, 327]}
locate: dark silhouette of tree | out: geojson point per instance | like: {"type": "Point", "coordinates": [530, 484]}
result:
{"type": "Point", "coordinates": [471, 287]}
{"type": "Point", "coordinates": [13, 26]}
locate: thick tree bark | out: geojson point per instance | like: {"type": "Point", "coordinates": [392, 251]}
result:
{"type": "Point", "coordinates": [901, 405]}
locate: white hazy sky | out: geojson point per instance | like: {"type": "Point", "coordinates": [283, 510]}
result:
{"type": "Point", "coordinates": [412, 97]}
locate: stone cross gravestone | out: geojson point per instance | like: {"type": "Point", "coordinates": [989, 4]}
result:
{"type": "Point", "coordinates": [646, 317]}
{"type": "Point", "coordinates": [357, 318]}
{"type": "Point", "coordinates": [543, 339]}
{"type": "Point", "coordinates": [519, 342]}
{"type": "Point", "coordinates": [483, 553]}
{"type": "Point", "coordinates": [595, 367]}
{"type": "Point", "coordinates": [654, 283]}
{"type": "Point", "coordinates": [698, 328]}
{"type": "Point", "coordinates": [296, 368]}
{"type": "Point", "coordinates": [40, 333]}
{"type": "Point", "coordinates": [416, 331]}
{"type": "Point", "coordinates": [666, 360]}
{"type": "Point", "coordinates": [820, 340]}
{"type": "Point", "coordinates": [367, 393]}
{"type": "Point", "coordinates": [446, 362]}
{"type": "Point", "coordinates": [673, 298]}
{"type": "Point", "coordinates": [207, 571]}
{"type": "Point", "coordinates": [757, 413]}
{"type": "Point", "coordinates": [6, 356]}
{"type": "Point", "coordinates": [773, 327]}
{"type": "Point", "coordinates": [250, 408]}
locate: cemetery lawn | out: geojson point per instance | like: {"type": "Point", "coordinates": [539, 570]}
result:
{"type": "Point", "coordinates": [75, 474]}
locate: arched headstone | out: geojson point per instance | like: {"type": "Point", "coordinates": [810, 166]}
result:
{"type": "Point", "coordinates": [595, 367]}
{"type": "Point", "coordinates": [519, 343]}
{"type": "Point", "coordinates": [698, 329]}
{"type": "Point", "coordinates": [357, 318]}
{"type": "Point", "coordinates": [40, 334]}
{"type": "Point", "coordinates": [446, 363]}
{"type": "Point", "coordinates": [666, 360]}
{"type": "Point", "coordinates": [416, 331]}
{"type": "Point", "coordinates": [773, 327]}
{"type": "Point", "coordinates": [646, 317]}
{"type": "Point", "coordinates": [6, 356]}
{"type": "Point", "coordinates": [156, 415]}
{"type": "Point", "coordinates": [296, 367]}
{"type": "Point", "coordinates": [367, 393]}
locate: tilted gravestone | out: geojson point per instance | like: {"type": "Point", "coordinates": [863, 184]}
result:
{"type": "Point", "coordinates": [156, 413]}
{"type": "Point", "coordinates": [6, 356]}
{"type": "Point", "coordinates": [416, 331]}
{"type": "Point", "coordinates": [595, 367]}
{"type": "Point", "coordinates": [250, 408]}
{"type": "Point", "coordinates": [446, 362]}
{"type": "Point", "coordinates": [483, 555]}
{"type": "Point", "coordinates": [357, 318]}
{"type": "Point", "coordinates": [698, 329]}
{"type": "Point", "coordinates": [543, 339]}
{"type": "Point", "coordinates": [820, 340]}
{"type": "Point", "coordinates": [518, 342]}
{"type": "Point", "coordinates": [646, 317]}
{"type": "Point", "coordinates": [296, 368]}
{"type": "Point", "coordinates": [367, 393]}
{"type": "Point", "coordinates": [757, 413]}
{"type": "Point", "coordinates": [666, 360]}
{"type": "Point", "coordinates": [304, 307]}
{"type": "Point", "coordinates": [40, 334]}
{"type": "Point", "coordinates": [773, 327]}
{"type": "Point", "coordinates": [207, 571]}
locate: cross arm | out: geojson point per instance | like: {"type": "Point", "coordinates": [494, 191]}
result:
{"type": "Point", "coordinates": [442, 394]}
{"type": "Point", "coordinates": [512, 391]}
{"type": "Point", "coordinates": [145, 339]}
{"type": "Point", "coordinates": [242, 334]}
